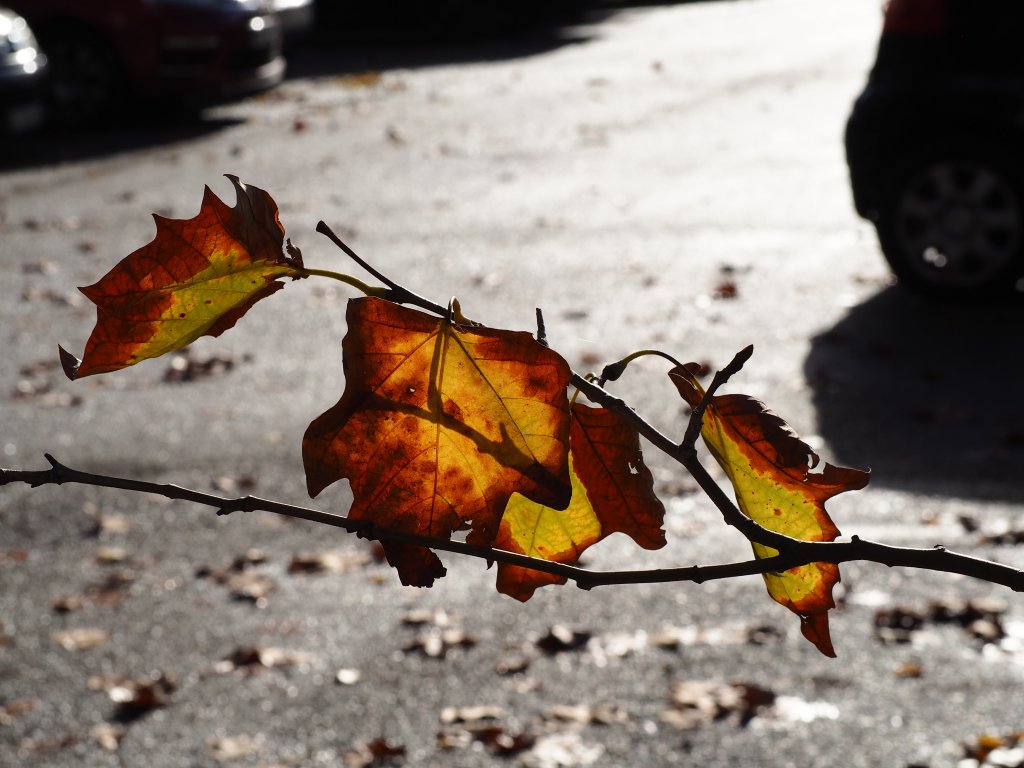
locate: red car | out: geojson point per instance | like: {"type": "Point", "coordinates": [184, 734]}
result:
{"type": "Point", "coordinates": [104, 55]}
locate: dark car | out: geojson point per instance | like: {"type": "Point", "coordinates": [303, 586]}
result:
{"type": "Point", "coordinates": [22, 73]}
{"type": "Point", "coordinates": [935, 145]}
{"type": "Point", "coordinates": [104, 55]}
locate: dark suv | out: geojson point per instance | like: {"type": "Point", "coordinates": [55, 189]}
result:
{"type": "Point", "coordinates": [935, 145]}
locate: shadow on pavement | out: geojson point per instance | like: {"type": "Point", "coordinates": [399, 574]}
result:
{"type": "Point", "coordinates": [54, 145]}
{"type": "Point", "coordinates": [929, 396]}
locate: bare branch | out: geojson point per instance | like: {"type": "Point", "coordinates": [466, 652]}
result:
{"type": "Point", "coordinates": [797, 552]}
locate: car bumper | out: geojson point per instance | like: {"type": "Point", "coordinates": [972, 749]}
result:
{"type": "Point", "coordinates": [22, 100]}
{"type": "Point", "coordinates": [203, 66]}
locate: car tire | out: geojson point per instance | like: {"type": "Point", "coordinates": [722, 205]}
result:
{"type": "Point", "coordinates": [952, 224]}
{"type": "Point", "coordinates": [87, 81]}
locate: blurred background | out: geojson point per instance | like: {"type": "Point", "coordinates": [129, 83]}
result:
{"type": "Point", "coordinates": [836, 183]}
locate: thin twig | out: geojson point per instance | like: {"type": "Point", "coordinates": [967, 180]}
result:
{"type": "Point", "coordinates": [399, 293]}
{"type": "Point", "coordinates": [799, 553]}
{"type": "Point", "coordinates": [690, 461]}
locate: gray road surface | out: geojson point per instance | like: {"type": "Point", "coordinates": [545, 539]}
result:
{"type": "Point", "coordinates": [624, 176]}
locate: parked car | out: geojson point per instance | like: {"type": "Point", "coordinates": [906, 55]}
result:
{"type": "Point", "coordinates": [105, 55]}
{"type": "Point", "coordinates": [22, 73]}
{"type": "Point", "coordinates": [935, 146]}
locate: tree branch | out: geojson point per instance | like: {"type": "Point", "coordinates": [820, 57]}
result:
{"type": "Point", "coordinates": [796, 552]}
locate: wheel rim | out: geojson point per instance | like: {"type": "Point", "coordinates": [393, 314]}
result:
{"type": "Point", "coordinates": [959, 224]}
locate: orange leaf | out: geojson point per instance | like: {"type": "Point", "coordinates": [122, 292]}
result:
{"type": "Point", "coordinates": [439, 425]}
{"type": "Point", "coordinates": [197, 277]}
{"type": "Point", "coordinates": [770, 470]}
{"type": "Point", "coordinates": [612, 491]}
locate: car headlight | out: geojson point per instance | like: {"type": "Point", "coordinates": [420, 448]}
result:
{"type": "Point", "coordinates": [16, 37]}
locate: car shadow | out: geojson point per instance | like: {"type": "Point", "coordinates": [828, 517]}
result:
{"type": "Point", "coordinates": [927, 395]}
{"type": "Point", "coordinates": [53, 146]}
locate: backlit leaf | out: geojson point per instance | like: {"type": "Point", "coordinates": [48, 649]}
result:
{"type": "Point", "coordinates": [770, 470]}
{"type": "Point", "coordinates": [197, 277]}
{"type": "Point", "coordinates": [438, 426]}
{"type": "Point", "coordinates": [612, 491]}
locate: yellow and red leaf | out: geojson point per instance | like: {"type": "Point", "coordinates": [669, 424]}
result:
{"type": "Point", "coordinates": [612, 491]}
{"type": "Point", "coordinates": [770, 469]}
{"type": "Point", "coordinates": [438, 426]}
{"type": "Point", "coordinates": [197, 277]}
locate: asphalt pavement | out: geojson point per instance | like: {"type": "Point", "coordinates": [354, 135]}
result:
{"type": "Point", "coordinates": [662, 176]}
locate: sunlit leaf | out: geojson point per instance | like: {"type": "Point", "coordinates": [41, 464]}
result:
{"type": "Point", "coordinates": [438, 426]}
{"type": "Point", "coordinates": [612, 491]}
{"type": "Point", "coordinates": [197, 277]}
{"type": "Point", "coordinates": [770, 468]}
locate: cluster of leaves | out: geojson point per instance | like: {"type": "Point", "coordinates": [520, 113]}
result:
{"type": "Point", "coordinates": [445, 424]}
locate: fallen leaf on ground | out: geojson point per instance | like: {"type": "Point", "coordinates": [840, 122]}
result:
{"type": "Point", "coordinates": [436, 642]}
{"type": "Point", "coordinates": [108, 736]}
{"type": "Point", "coordinates": [109, 593]}
{"type": "Point", "coordinates": [471, 714]}
{"type": "Point", "coordinates": [421, 616]}
{"type": "Point", "coordinates": [559, 639]}
{"type": "Point", "coordinates": [562, 750]}
{"type": "Point", "coordinates": [696, 703]}
{"type": "Point", "coordinates": [380, 751]}
{"type": "Point", "coordinates": [585, 714]}
{"type": "Point", "coordinates": [81, 638]}
{"type": "Point", "coordinates": [251, 658]}
{"type": "Point", "coordinates": [183, 368]}
{"type": "Point", "coordinates": [242, 581]}
{"type": "Point", "coordinates": [233, 747]}
{"type": "Point", "coordinates": [111, 555]}
{"type": "Point", "coordinates": [12, 710]}
{"type": "Point", "coordinates": [138, 697]}
{"type": "Point", "coordinates": [673, 638]}
{"type": "Point", "coordinates": [337, 561]}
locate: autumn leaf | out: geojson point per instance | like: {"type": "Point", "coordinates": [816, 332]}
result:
{"type": "Point", "coordinates": [196, 278]}
{"type": "Point", "coordinates": [612, 491]}
{"type": "Point", "coordinates": [770, 470]}
{"type": "Point", "coordinates": [438, 426]}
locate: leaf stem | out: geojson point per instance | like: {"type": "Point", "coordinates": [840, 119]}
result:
{"type": "Point", "coordinates": [398, 293]}
{"type": "Point", "coordinates": [355, 282]}
{"type": "Point", "coordinates": [613, 371]}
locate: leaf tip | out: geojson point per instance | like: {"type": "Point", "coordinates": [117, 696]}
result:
{"type": "Point", "coordinates": [69, 363]}
{"type": "Point", "coordinates": [814, 627]}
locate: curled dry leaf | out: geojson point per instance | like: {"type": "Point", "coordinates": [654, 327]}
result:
{"type": "Point", "coordinates": [770, 469]}
{"type": "Point", "coordinates": [438, 426]}
{"type": "Point", "coordinates": [196, 278]}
